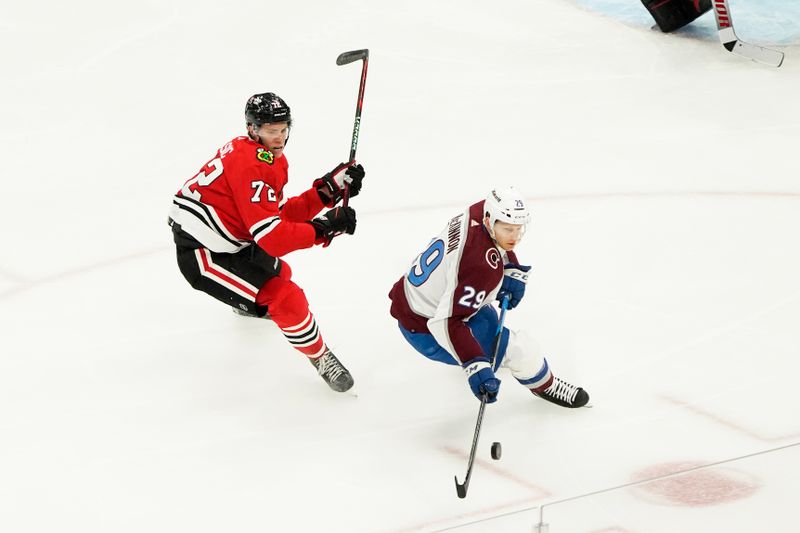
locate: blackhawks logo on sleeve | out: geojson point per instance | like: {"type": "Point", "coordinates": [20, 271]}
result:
{"type": "Point", "coordinates": [265, 156]}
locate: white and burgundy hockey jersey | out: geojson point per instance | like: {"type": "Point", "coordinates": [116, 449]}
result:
{"type": "Point", "coordinates": [235, 200]}
{"type": "Point", "coordinates": [459, 272]}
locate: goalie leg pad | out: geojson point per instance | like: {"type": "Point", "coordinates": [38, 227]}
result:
{"type": "Point", "coordinates": [673, 14]}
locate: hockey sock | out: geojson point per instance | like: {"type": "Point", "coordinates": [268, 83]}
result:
{"type": "Point", "coordinates": [288, 308]}
{"type": "Point", "coordinates": [539, 382]}
{"type": "Point", "coordinates": [305, 337]}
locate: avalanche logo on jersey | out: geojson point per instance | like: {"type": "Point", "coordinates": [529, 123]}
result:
{"type": "Point", "coordinates": [493, 257]}
{"type": "Point", "coordinates": [265, 156]}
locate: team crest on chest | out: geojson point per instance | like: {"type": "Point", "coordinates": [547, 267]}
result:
{"type": "Point", "coordinates": [265, 156]}
{"type": "Point", "coordinates": [493, 257]}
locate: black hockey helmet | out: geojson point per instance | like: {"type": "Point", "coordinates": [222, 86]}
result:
{"type": "Point", "coordinates": [266, 108]}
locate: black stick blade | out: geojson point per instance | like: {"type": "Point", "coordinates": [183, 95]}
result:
{"type": "Point", "coordinates": [353, 55]}
{"type": "Point", "coordinates": [461, 490]}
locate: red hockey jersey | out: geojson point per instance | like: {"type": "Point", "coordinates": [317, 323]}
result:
{"type": "Point", "coordinates": [236, 199]}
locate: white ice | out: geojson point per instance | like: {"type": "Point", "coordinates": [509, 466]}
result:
{"type": "Point", "coordinates": [663, 172]}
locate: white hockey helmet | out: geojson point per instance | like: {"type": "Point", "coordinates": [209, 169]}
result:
{"type": "Point", "coordinates": [506, 205]}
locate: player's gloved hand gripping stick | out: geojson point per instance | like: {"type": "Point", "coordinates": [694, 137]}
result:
{"type": "Point", "coordinates": [331, 189]}
{"type": "Point", "coordinates": [461, 488]}
{"type": "Point", "coordinates": [343, 59]}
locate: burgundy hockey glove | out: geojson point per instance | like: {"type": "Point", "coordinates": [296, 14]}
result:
{"type": "Point", "coordinates": [333, 223]}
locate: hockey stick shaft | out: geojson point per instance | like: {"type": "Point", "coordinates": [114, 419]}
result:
{"type": "Point", "coordinates": [461, 488]}
{"type": "Point", "coordinates": [344, 59]}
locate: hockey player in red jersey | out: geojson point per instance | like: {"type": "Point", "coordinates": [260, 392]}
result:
{"type": "Point", "coordinates": [232, 225]}
{"type": "Point", "coordinates": [443, 303]}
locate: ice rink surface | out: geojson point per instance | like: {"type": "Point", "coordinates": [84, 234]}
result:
{"type": "Point", "coordinates": [663, 173]}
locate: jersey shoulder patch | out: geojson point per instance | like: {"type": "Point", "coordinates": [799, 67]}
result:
{"type": "Point", "coordinates": [265, 156]}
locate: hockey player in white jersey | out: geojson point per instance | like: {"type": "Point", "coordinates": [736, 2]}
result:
{"type": "Point", "coordinates": [443, 302]}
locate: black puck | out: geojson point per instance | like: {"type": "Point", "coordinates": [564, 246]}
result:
{"type": "Point", "coordinates": [497, 451]}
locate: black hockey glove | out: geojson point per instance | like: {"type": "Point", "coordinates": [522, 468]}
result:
{"type": "Point", "coordinates": [354, 176]}
{"type": "Point", "coordinates": [328, 187]}
{"type": "Point", "coordinates": [333, 223]}
{"type": "Point", "coordinates": [331, 189]}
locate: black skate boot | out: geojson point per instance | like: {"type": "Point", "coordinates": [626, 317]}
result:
{"type": "Point", "coordinates": [333, 371]}
{"type": "Point", "coordinates": [562, 393]}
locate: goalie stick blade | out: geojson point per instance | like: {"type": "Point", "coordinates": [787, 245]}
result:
{"type": "Point", "coordinates": [767, 56]}
{"type": "Point", "coordinates": [353, 55]}
{"type": "Point", "coordinates": [731, 41]}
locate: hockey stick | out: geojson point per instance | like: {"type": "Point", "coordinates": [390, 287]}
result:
{"type": "Point", "coordinates": [461, 488]}
{"type": "Point", "coordinates": [732, 43]}
{"type": "Point", "coordinates": [343, 59]}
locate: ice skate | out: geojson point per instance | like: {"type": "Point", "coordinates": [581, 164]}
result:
{"type": "Point", "coordinates": [562, 393]}
{"type": "Point", "coordinates": [240, 312]}
{"type": "Point", "coordinates": [333, 371]}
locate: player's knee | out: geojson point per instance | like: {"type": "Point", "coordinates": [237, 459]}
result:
{"type": "Point", "coordinates": [286, 271]}
{"type": "Point", "coordinates": [279, 294]}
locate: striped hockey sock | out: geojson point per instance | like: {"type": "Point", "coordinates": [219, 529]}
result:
{"type": "Point", "coordinates": [305, 337]}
